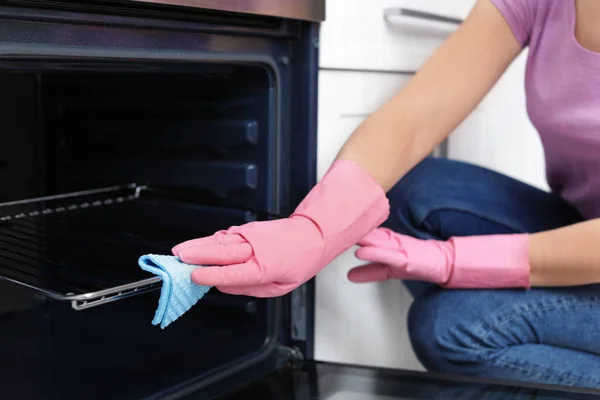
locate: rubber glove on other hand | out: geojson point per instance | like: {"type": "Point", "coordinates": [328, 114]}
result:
{"type": "Point", "coordinates": [494, 261]}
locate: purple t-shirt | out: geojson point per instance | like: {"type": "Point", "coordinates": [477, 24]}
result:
{"type": "Point", "coordinates": [562, 85]}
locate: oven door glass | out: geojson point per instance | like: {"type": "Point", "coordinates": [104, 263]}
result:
{"type": "Point", "coordinates": [322, 381]}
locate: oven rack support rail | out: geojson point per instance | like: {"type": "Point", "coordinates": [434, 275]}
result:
{"type": "Point", "coordinates": [88, 300]}
{"type": "Point", "coordinates": [77, 201]}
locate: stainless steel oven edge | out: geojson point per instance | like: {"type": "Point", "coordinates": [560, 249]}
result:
{"type": "Point", "coordinates": [307, 10]}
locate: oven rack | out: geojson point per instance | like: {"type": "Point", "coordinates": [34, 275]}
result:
{"type": "Point", "coordinates": [83, 247]}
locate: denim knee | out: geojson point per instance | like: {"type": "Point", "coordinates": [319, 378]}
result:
{"type": "Point", "coordinates": [442, 340]}
{"type": "Point", "coordinates": [440, 198]}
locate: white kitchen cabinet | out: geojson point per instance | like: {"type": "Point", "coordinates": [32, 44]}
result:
{"type": "Point", "coordinates": [357, 35]}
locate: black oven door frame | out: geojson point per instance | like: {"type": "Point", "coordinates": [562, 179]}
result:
{"type": "Point", "coordinates": [328, 381]}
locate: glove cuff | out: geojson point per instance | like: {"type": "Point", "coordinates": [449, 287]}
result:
{"type": "Point", "coordinates": [345, 205]}
{"type": "Point", "coordinates": [490, 262]}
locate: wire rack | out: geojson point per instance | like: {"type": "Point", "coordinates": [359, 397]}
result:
{"type": "Point", "coordinates": [82, 247]}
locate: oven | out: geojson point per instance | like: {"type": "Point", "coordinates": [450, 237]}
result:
{"type": "Point", "coordinates": [127, 127]}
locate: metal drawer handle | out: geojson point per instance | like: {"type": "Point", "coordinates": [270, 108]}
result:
{"type": "Point", "coordinates": [407, 12]}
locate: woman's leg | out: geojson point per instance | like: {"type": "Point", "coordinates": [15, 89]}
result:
{"type": "Point", "coordinates": [540, 335]}
{"type": "Point", "coordinates": [543, 335]}
{"type": "Point", "coordinates": [442, 198]}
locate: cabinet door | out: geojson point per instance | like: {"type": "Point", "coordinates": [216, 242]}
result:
{"type": "Point", "coordinates": [371, 35]}
{"type": "Point", "coordinates": [357, 324]}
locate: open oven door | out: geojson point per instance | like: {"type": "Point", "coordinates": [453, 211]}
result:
{"type": "Point", "coordinates": [310, 380]}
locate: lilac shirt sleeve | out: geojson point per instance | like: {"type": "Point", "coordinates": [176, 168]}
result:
{"type": "Point", "coordinates": [520, 15]}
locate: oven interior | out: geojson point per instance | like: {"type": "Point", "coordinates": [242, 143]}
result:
{"type": "Point", "coordinates": [147, 157]}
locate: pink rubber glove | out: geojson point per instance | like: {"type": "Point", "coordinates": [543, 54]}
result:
{"type": "Point", "coordinates": [272, 258]}
{"type": "Point", "coordinates": [495, 261]}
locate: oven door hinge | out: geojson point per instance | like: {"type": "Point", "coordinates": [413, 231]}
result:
{"type": "Point", "coordinates": [290, 353]}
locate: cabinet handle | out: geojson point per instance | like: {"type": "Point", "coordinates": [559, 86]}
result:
{"type": "Point", "coordinates": [407, 12]}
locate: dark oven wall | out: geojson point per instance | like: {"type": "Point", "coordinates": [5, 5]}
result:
{"type": "Point", "coordinates": [224, 114]}
{"type": "Point", "coordinates": [249, 66]}
{"type": "Point", "coordinates": [211, 133]}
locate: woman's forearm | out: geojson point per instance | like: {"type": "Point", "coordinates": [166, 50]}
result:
{"type": "Point", "coordinates": [437, 99]}
{"type": "Point", "coordinates": [567, 256]}
{"type": "Point", "coordinates": [387, 145]}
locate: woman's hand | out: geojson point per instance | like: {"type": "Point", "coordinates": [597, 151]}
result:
{"type": "Point", "coordinates": [496, 261]}
{"type": "Point", "coordinates": [260, 259]}
{"type": "Point", "coordinates": [395, 256]}
{"type": "Point", "coordinates": [272, 258]}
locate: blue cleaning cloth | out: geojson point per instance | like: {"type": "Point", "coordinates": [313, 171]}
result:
{"type": "Point", "coordinates": [178, 293]}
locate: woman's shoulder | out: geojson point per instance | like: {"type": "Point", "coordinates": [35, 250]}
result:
{"type": "Point", "coordinates": [528, 18]}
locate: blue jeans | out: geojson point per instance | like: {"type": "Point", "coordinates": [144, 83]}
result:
{"type": "Point", "coordinates": [549, 335]}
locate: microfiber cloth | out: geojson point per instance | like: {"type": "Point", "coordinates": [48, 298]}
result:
{"type": "Point", "coordinates": [178, 293]}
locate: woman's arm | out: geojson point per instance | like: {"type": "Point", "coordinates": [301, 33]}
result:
{"type": "Point", "coordinates": [566, 256]}
{"type": "Point", "coordinates": [272, 258]}
{"type": "Point", "coordinates": [445, 90]}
